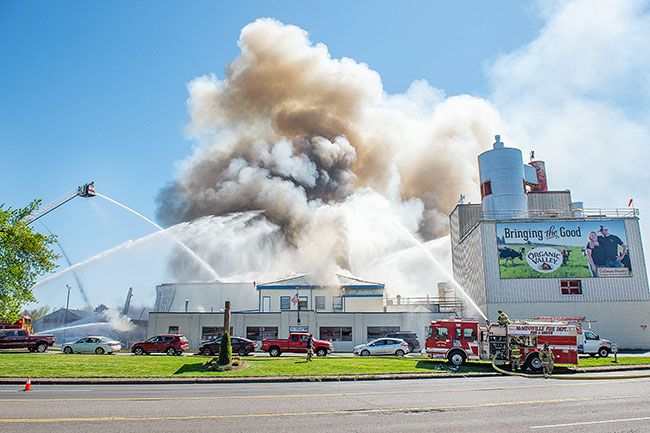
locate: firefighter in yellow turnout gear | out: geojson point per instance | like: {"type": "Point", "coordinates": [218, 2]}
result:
{"type": "Point", "coordinates": [503, 318]}
{"type": "Point", "coordinates": [546, 357]}
{"type": "Point", "coordinates": [515, 355]}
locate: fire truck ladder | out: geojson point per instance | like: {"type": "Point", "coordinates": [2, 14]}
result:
{"type": "Point", "coordinates": [86, 190]}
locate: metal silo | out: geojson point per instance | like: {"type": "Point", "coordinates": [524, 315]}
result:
{"type": "Point", "coordinates": [501, 171]}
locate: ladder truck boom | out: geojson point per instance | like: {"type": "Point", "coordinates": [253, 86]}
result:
{"type": "Point", "coordinates": [86, 190]}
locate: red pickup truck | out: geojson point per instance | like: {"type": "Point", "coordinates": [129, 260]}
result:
{"type": "Point", "coordinates": [21, 339]}
{"type": "Point", "coordinates": [296, 343]}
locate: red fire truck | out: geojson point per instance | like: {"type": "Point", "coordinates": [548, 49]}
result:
{"type": "Point", "coordinates": [459, 340]}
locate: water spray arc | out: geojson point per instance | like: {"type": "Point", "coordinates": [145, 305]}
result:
{"type": "Point", "coordinates": [457, 286]}
{"type": "Point", "coordinates": [187, 249]}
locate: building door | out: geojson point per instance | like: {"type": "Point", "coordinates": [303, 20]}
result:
{"type": "Point", "coordinates": [266, 304]}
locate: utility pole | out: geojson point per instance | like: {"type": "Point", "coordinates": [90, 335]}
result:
{"type": "Point", "coordinates": [226, 318]}
{"type": "Point", "coordinates": [65, 317]}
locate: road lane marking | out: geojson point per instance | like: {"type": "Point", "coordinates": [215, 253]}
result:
{"type": "Point", "coordinates": [267, 396]}
{"type": "Point", "coordinates": [606, 421]}
{"type": "Point", "coordinates": [313, 413]}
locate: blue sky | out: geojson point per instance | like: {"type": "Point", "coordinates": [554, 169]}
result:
{"type": "Point", "coordinates": [97, 91]}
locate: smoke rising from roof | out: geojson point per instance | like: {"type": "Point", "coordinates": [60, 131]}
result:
{"type": "Point", "coordinates": [315, 142]}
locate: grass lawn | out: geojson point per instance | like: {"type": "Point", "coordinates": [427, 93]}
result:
{"type": "Point", "coordinates": [609, 361]}
{"type": "Point", "coordinates": [59, 365]}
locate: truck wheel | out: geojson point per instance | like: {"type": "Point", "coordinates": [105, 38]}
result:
{"type": "Point", "coordinates": [41, 347]}
{"type": "Point", "coordinates": [99, 351]}
{"type": "Point", "coordinates": [456, 358]}
{"type": "Point", "coordinates": [321, 352]}
{"type": "Point", "coordinates": [603, 352]}
{"type": "Point", "coordinates": [274, 351]}
{"type": "Point", "coordinates": [67, 350]}
{"type": "Point", "coordinates": [399, 352]}
{"type": "Point", "coordinates": [171, 351]}
{"type": "Point", "coordinates": [138, 350]}
{"type": "Point", "coordinates": [365, 353]}
{"type": "Point", "coordinates": [534, 363]}
{"type": "Point", "coordinates": [206, 351]}
{"type": "Point", "coordinates": [242, 352]}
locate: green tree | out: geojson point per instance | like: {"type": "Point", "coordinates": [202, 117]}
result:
{"type": "Point", "coordinates": [225, 350]}
{"type": "Point", "coordinates": [25, 255]}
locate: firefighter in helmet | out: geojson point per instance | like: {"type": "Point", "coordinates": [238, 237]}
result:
{"type": "Point", "coordinates": [546, 357]}
{"type": "Point", "coordinates": [515, 355]}
{"type": "Point", "coordinates": [503, 318]}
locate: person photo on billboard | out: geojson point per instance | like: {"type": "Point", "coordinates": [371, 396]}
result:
{"type": "Point", "coordinates": [610, 244]}
{"type": "Point", "coordinates": [595, 253]}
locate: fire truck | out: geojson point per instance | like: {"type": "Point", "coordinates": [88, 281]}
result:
{"type": "Point", "coordinates": [460, 340]}
{"type": "Point", "coordinates": [25, 322]}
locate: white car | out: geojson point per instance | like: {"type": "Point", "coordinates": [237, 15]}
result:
{"type": "Point", "coordinates": [92, 344]}
{"type": "Point", "coordinates": [383, 346]}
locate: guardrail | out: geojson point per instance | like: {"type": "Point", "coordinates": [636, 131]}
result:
{"type": "Point", "coordinates": [439, 304]}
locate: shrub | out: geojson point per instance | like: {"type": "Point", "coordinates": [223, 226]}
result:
{"type": "Point", "coordinates": [225, 350]}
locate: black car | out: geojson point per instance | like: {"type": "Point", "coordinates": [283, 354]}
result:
{"type": "Point", "coordinates": [410, 337]}
{"type": "Point", "coordinates": [240, 346]}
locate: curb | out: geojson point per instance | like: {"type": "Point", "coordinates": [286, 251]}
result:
{"type": "Point", "coordinates": [273, 379]}
{"type": "Point", "coordinates": [612, 368]}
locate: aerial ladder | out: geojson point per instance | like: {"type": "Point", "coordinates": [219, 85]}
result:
{"type": "Point", "coordinates": [86, 190]}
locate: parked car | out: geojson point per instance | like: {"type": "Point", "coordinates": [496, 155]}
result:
{"type": "Point", "coordinates": [383, 346]}
{"type": "Point", "coordinates": [240, 346]}
{"type": "Point", "coordinates": [93, 344]}
{"type": "Point", "coordinates": [171, 344]}
{"type": "Point", "coordinates": [410, 337]}
{"type": "Point", "coordinates": [296, 343]}
{"type": "Point", "coordinates": [22, 339]}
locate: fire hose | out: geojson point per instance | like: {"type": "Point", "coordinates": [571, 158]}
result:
{"type": "Point", "coordinates": [567, 377]}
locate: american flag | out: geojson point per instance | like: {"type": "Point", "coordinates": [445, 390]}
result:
{"type": "Point", "coordinates": [295, 298]}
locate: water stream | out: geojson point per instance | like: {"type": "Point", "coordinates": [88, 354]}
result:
{"type": "Point", "coordinates": [435, 261]}
{"type": "Point", "coordinates": [187, 249]}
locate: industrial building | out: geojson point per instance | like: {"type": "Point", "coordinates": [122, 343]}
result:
{"type": "Point", "coordinates": [342, 309]}
{"type": "Point", "coordinates": [533, 252]}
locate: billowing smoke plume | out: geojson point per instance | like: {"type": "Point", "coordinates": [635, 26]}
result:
{"type": "Point", "coordinates": [314, 142]}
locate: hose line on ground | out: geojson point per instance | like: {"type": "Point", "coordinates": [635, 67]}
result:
{"type": "Point", "coordinates": [567, 377]}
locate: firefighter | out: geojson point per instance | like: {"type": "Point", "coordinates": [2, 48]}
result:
{"type": "Point", "coordinates": [310, 348]}
{"type": "Point", "coordinates": [515, 355]}
{"type": "Point", "coordinates": [546, 357]}
{"type": "Point", "coordinates": [503, 318]}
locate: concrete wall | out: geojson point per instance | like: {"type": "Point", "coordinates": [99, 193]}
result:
{"type": "Point", "coordinates": [363, 304]}
{"type": "Point", "coordinates": [191, 324]}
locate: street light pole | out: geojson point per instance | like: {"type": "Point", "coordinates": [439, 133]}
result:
{"type": "Point", "coordinates": [65, 318]}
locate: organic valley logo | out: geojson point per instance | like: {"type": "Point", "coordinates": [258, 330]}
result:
{"type": "Point", "coordinates": [544, 259]}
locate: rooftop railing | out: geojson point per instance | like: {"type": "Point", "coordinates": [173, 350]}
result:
{"type": "Point", "coordinates": [550, 214]}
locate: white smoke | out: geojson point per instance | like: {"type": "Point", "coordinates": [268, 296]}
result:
{"type": "Point", "coordinates": [319, 147]}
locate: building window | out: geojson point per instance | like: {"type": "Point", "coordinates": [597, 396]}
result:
{"type": "Point", "coordinates": [302, 302]}
{"type": "Point", "coordinates": [337, 303]}
{"type": "Point", "coordinates": [375, 332]}
{"type": "Point", "coordinates": [212, 332]}
{"type": "Point", "coordinates": [571, 287]}
{"type": "Point", "coordinates": [258, 333]}
{"type": "Point", "coordinates": [285, 303]}
{"type": "Point", "coordinates": [336, 333]}
{"type": "Point", "coordinates": [320, 302]}
{"type": "Point", "coordinates": [173, 330]}
{"type": "Point", "coordinates": [486, 189]}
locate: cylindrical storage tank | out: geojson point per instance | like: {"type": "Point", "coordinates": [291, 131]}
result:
{"type": "Point", "coordinates": [577, 209]}
{"type": "Point", "coordinates": [501, 173]}
{"type": "Point", "coordinates": [542, 183]}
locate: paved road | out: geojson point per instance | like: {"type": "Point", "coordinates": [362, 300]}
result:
{"type": "Point", "coordinates": [501, 404]}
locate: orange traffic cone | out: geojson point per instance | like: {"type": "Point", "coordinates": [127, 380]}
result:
{"type": "Point", "coordinates": [28, 384]}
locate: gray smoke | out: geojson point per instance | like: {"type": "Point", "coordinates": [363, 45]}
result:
{"type": "Point", "coordinates": [305, 138]}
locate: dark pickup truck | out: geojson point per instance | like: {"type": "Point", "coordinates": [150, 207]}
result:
{"type": "Point", "coordinates": [21, 339]}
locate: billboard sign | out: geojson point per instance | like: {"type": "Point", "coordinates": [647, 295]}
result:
{"type": "Point", "coordinates": [563, 249]}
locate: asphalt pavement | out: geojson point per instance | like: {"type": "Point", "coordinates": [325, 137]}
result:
{"type": "Point", "coordinates": [485, 405]}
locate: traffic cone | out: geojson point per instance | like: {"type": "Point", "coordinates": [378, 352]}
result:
{"type": "Point", "coordinates": [28, 384]}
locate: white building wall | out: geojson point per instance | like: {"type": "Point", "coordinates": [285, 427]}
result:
{"type": "Point", "coordinates": [191, 324]}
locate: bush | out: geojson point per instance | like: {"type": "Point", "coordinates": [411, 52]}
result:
{"type": "Point", "coordinates": [235, 363]}
{"type": "Point", "coordinates": [225, 350]}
